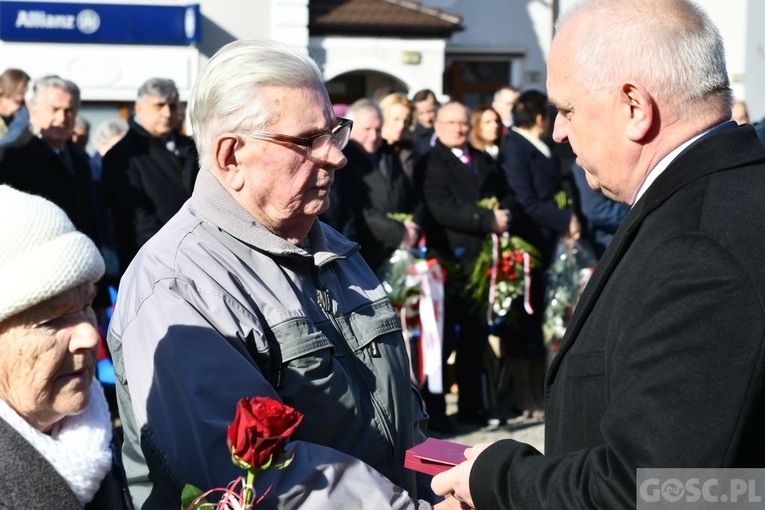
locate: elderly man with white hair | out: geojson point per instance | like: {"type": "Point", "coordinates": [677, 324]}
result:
{"type": "Point", "coordinates": [245, 293]}
{"type": "Point", "coordinates": [55, 428]}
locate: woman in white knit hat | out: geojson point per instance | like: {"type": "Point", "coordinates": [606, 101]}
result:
{"type": "Point", "coordinates": [55, 429]}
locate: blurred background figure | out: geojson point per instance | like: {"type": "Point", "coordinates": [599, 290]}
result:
{"type": "Point", "coordinates": [105, 136]}
{"type": "Point", "coordinates": [388, 206]}
{"type": "Point", "coordinates": [55, 427]}
{"type": "Point", "coordinates": [14, 117]}
{"type": "Point", "coordinates": [503, 102]}
{"type": "Point", "coordinates": [486, 130]}
{"type": "Point", "coordinates": [425, 108]}
{"type": "Point", "coordinates": [397, 120]}
{"type": "Point", "coordinates": [455, 177]}
{"type": "Point", "coordinates": [601, 216]}
{"type": "Point", "coordinates": [534, 175]}
{"type": "Point", "coordinates": [739, 113]}
{"type": "Point", "coordinates": [150, 173]}
{"type": "Point", "coordinates": [44, 161]}
{"type": "Point", "coordinates": [340, 109]}
{"type": "Point", "coordinates": [81, 132]}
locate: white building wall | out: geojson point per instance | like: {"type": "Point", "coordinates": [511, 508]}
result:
{"type": "Point", "coordinates": [730, 18]}
{"type": "Point", "coordinates": [754, 63]}
{"type": "Point", "coordinates": [339, 55]}
{"type": "Point", "coordinates": [104, 72]}
{"type": "Point", "coordinates": [511, 27]}
{"type": "Point", "coordinates": [285, 21]}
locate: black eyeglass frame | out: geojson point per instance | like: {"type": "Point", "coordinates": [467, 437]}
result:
{"type": "Point", "coordinates": [306, 141]}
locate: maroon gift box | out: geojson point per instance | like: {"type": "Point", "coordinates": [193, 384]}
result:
{"type": "Point", "coordinates": [434, 456]}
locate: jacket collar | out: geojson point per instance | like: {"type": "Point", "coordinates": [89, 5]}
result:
{"type": "Point", "coordinates": [216, 205]}
{"type": "Point", "coordinates": [480, 170]}
{"type": "Point", "coordinates": [710, 154]}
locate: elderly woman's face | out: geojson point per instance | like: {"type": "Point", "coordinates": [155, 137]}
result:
{"type": "Point", "coordinates": [48, 358]}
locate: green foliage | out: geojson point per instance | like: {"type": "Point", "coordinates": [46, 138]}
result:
{"type": "Point", "coordinates": [189, 494]}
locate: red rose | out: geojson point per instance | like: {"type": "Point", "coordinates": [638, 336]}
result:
{"type": "Point", "coordinates": [260, 430]}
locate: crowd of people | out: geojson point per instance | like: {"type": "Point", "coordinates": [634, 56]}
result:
{"type": "Point", "coordinates": [249, 261]}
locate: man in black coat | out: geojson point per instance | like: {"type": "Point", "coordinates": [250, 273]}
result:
{"type": "Point", "coordinates": [454, 179]}
{"type": "Point", "coordinates": [381, 188]}
{"type": "Point", "coordinates": [150, 173]}
{"type": "Point", "coordinates": [45, 162]}
{"type": "Point", "coordinates": [663, 363]}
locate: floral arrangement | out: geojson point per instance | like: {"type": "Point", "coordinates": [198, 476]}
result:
{"type": "Point", "coordinates": [414, 283]}
{"type": "Point", "coordinates": [571, 270]}
{"type": "Point", "coordinates": [502, 272]}
{"type": "Point", "coordinates": [256, 440]}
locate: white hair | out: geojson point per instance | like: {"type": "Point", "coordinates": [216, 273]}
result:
{"type": "Point", "coordinates": [670, 46]}
{"type": "Point", "coordinates": [162, 88]}
{"type": "Point", "coordinates": [56, 82]}
{"type": "Point", "coordinates": [225, 95]}
{"type": "Point", "coordinates": [108, 130]}
{"type": "Point", "coordinates": [361, 105]}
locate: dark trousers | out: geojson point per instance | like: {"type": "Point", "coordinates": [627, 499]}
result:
{"type": "Point", "coordinates": [470, 337]}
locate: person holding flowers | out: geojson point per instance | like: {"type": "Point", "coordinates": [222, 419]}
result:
{"type": "Point", "coordinates": [244, 293]}
{"type": "Point", "coordinates": [455, 178]}
{"type": "Point", "coordinates": [389, 210]}
{"type": "Point", "coordinates": [533, 173]}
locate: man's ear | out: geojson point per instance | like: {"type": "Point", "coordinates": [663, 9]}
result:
{"type": "Point", "coordinates": [639, 104]}
{"type": "Point", "coordinates": [226, 160]}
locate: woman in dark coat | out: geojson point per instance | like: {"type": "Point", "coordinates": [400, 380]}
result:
{"type": "Point", "coordinates": [534, 175]}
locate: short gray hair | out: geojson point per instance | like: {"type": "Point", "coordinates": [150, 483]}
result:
{"type": "Point", "coordinates": [361, 105]}
{"type": "Point", "coordinates": [81, 122]}
{"type": "Point", "coordinates": [225, 96]}
{"type": "Point", "coordinates": [162, 88]}
{"type": "Point", "coordinates": [56, 82]}
{"type": "Point", "coordinates": [671, 46]}
{"type": "Point", "coordinates": [107, 130]}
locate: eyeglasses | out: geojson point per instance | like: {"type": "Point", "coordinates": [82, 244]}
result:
{"type": "Point", "coordinates": [318, 145]}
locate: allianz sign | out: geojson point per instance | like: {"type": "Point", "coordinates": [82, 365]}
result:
{"type": "Point", "coordinates": [87, 21]}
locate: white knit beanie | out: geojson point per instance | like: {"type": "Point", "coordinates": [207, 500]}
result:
{"type": "Point", "coordinates": [41, 253]}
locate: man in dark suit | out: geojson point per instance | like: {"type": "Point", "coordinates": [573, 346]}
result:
{"type": "Point", "coordinates": [454, 179]}
{"type": "Point", "coordinates": [663, 363]}
{"type": "Point", "coordinates": [503, 102]}
{"type": "Point", "coordinates": [150, 173]}
{"type": "Point", "coordinates": [423, 132]}
{"type": "Point", "coordinates": [381, 188]}
{"type": "Point", "coordinates": [45, 162]}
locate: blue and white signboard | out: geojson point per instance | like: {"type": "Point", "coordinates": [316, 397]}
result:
{"type": "Point", "coordinates": [127, 23]}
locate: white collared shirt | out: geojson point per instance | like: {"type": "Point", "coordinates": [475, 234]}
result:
{"type": "Point", "coordinates": [461, 155]}
{"type": "Point", "coordinates": [536, 142]}
{"type": "Point", "coordinates": [666, 161]}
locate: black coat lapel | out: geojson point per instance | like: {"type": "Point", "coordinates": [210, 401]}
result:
{"type": "Point", "coordinates": [722, 150]}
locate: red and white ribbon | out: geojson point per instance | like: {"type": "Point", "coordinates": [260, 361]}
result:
{"type": "Point", "coordinates": [527, 283]}
{"type": "Point", "coordinates": [496, 253]}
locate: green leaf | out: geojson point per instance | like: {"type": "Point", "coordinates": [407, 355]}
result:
{"type": "Point", "coordinates": [189, 494]}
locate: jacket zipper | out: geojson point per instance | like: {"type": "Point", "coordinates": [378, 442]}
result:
{"type": "Point", "coordinates": [325, 303]}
